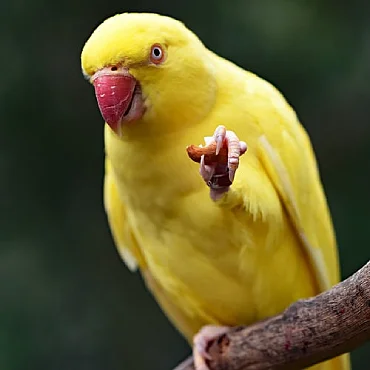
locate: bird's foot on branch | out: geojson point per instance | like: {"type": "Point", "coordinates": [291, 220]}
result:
{"type": "Point", "coordinates": [201, 342]}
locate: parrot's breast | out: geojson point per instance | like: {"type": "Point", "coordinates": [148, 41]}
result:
{"type": "Point", "coordinates": [210, 262]}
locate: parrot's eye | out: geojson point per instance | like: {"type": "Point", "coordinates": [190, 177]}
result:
{"type": "Point", "coordinates": [156, 54]}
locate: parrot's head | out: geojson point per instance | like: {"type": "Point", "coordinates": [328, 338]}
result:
{"type": "Point", "coordinates": [149, 70]}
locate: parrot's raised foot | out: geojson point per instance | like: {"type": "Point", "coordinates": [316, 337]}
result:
{"type": "Point", "coordinates": [201, 342]}
{"type": "Point", "coordinates": [220, 176]}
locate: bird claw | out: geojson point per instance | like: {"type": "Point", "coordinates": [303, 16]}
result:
{"type": "Point", "coordinates": [219, 136]}
{"type": "Point", "coordinates": [201, 343]}
{"type": "Point", "coordinates": [235, 147]}
{"type": "Point", "coordinates": [206, 171]}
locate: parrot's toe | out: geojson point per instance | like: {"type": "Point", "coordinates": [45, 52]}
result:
{"type": "Point", "coordinates": [206, 171]}
{"type": "Point", "coordinates": [201, 342]}
{"type": "Point", "coordinates": [219, 176]}
{"type": "Point", "coordinates": [219, 136]}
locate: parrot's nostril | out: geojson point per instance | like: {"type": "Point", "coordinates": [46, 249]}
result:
{"type": "Point", "coordinates": [114, 68]}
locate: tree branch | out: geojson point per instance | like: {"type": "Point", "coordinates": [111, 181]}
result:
{"type": "Point", "coordinates": [308, 332]}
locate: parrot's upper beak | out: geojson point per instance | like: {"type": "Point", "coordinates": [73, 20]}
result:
{"type": "Point", "coordinates": [118, 95]}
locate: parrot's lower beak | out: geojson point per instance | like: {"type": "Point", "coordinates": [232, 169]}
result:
{"type": "Point", "coordinates": [118, 95]}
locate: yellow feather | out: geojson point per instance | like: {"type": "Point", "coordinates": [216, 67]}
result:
{"type": "Point", "coordinates": [119, 224]}
{"type": "Point", "coordinates": [268, 241]}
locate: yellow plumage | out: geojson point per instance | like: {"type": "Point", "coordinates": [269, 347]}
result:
{"type": "Point", "coordinates": [266, 243]}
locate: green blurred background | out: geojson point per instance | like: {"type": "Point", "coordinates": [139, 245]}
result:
{"type": "Point", "coordinates": [66, 299]}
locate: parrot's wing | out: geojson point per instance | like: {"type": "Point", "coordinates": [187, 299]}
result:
{"type": "Point", "coordinates": [285, 152]}
{"type": "Point", "coordinates": [288, 159]}
{"type": "Point", "coordinates": [119, 225]}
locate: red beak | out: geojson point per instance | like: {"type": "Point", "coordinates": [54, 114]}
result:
{"type": "Point", "coordinates": [114, 92]}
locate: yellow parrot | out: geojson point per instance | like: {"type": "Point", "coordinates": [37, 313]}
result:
{"type": "Point", "coordinates": [218, 244]}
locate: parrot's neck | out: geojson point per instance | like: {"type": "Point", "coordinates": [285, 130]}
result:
{"type": "Point", "coordinates": [156, 172]}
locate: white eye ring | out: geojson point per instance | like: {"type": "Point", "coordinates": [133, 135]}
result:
{"type": "Point", "coordinates": [156, 54]}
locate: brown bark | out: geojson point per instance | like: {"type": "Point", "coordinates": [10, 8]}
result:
{"type": "Point", "coordinates": [308, 332]}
